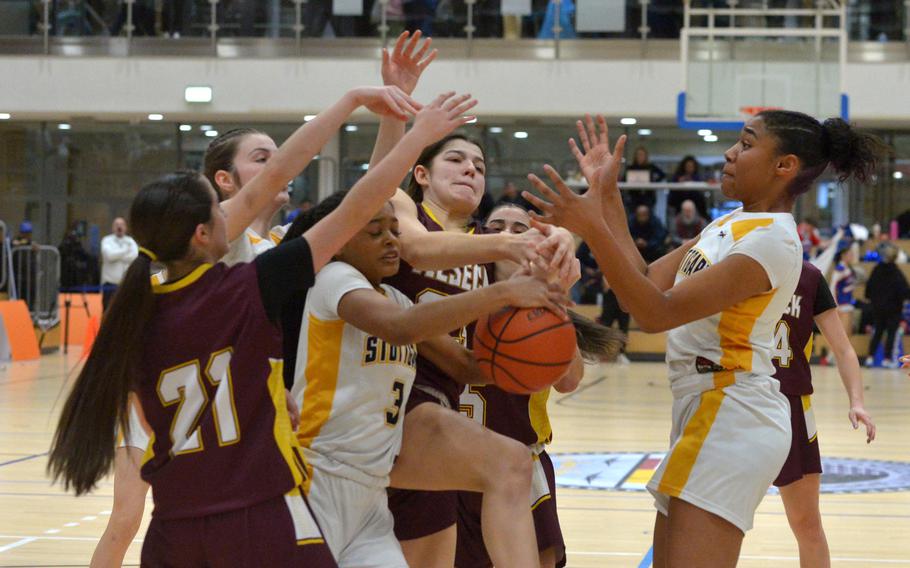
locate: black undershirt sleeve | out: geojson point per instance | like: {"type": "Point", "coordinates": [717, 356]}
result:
{"type": "Point", "coordinates": [283, 272]}
{"type": "Point", "coordinates": [824, 301]}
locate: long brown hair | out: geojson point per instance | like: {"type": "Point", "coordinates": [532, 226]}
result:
{"type": "Point", "coordinates": [163, 216]}
{"type": "Point", "coordinates": [221, 153]}
{"type": "Point", "coordinates": [426, 157]}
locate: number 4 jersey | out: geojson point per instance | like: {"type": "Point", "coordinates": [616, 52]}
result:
{"type": "Point", "coordinates": [792, 346]}
{"type": "Point", "coordinates": [351, 386]}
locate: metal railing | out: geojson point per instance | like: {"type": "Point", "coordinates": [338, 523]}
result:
{"type": "Point", "coordinates": [36, 271]}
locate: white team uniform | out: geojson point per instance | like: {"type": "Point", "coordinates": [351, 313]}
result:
{"type": "Point", "coordinates": [352, 389]}
{"type": "Point", "coordinates": [731, 425]}
{"type": "Point", "coordinates": [244, 248]}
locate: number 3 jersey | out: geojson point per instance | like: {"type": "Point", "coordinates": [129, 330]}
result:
{"type": "Point", "coordinates": [709, 352]}
{"type": "Point", "coordinates": [351, 386]}
{"type": "Point", "coordinates": [792, 346]}
{"type": "Point", "coordinates": [212, 392]}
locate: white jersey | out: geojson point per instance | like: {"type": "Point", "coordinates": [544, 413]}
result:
{"type": "Point", "coordinates": [712, 351]}
{"type": "Point", "coordinates": [351, 387]}
{"type": "Point", "coordinates": [246, 247]}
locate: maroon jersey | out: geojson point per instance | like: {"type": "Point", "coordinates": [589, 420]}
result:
{"type": "Point", "coordinates": [792, 345]}
{"type": "Point", "coordinates": [429, 285]}
{"type": "Point", "coordinates": [213, 394]}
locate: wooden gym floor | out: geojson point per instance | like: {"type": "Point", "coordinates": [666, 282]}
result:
{"type": "Point", "coordinates": [618, 409]}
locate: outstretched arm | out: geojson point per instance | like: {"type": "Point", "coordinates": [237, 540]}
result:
{"type": "Point", "coordinates": [375, 314]}
{"type": "Point", "coordinates": [734, 279]}
{"type": "Point", "coordinates": [848, 368]}
{"type": "Point", "coordinates": [297, 151]}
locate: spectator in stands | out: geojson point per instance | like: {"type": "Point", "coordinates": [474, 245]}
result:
{"type": "Point", "coordinates": [512, 196]}
{"type": "Point", "coordinates": [687, 172]}
{"type": "Point", "coordinates": [24, 237]}
{"type": "Point", "coordinates": [641, 162]}
{"type": "Point", "coordinates": [886, 291]}
{"type": "Point", "coordinates": [810, 237]}
{"type": "Point", "coordinates": [118, 251]}
{"type": "Point", "coordinates": [648, 232]}
{"type": "Point", "coordinates": [591, 283]}
{"type": "Point", "coordinates": [25, 263]}
{"type": "Point", "coordinates": [687, 224]}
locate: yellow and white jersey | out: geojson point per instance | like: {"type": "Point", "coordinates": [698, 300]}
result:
{"type": "Point", "coordinates": [710, 352]}
{"type": "Point", "coordinates": [351, 387]}
{"type": "Point", "coordinates": [246, 247]}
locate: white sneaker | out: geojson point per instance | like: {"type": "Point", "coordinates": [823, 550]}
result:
{"type": "Point", "coordinates": [623, 360]}
{"type": "Point", "coordinates": [869, 363]}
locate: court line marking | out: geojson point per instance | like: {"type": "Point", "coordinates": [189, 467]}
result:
{"type": "Point", "coordinates": [582, 389]}
{"type": "Point", "coordinates": [752, 557]}
{"type": "Point", "coordinates": [80, 538]}
{"type": "Point", "coordinates": [26, 458]}
{"type": "Point", "coordinates": [648, 559]}
{"type": "Point", "coordinates": [18, 543]}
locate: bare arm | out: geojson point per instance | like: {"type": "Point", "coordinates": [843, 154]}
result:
{"type": "Point", "coordinates": [848, 368]}
{"type": "Point", "coordinates": [369, 194]}
{"type": "Point", "coordinates": [570, 381]}
{"type": "Point", "coordinates": [400, 68]}
{"type": "Point", "coordinates": [453, 360]}
{"type": "Point", "coordinates": [707, 292]}
{"type": "Point", "coordinates": [377, 315]}
{"type": "Point", "coordinates": [438, 250]}
{"type": "Point", "coordinates": [297, 151]}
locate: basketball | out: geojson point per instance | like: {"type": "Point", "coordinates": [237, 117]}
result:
{"type": "Point", "coordinates": [523, 350]}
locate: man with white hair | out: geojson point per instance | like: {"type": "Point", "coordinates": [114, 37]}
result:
{"type": "Point", "coordinates": [687, 224]}
{"type": "Point", "coordinates": [118, 251]}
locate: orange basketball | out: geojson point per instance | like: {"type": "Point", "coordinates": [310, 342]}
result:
{"type": "Point", "coordinates": [522, 350]}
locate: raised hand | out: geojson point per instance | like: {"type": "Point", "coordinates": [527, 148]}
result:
{"type": "Point", "coordinates": [404, 65]}
{"type": "Point", "coordinates": [580, 214]}
{"type": "Point", "coordinates": [387, 101]}
{"type": "Point", "coordinates": [597, 163]}
{"type": "Point", "coordinates": [443, 115]}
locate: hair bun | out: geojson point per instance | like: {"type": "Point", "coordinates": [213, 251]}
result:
{"type": "Point", "coordinates": [851, 153]}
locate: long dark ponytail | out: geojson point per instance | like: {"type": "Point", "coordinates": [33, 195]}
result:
{"type": "Point", "coordinates": [163, 217]}
{"type": "Point", "coordinates": [851, 153]}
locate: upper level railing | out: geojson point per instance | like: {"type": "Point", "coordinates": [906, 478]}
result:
{"type": "Point", "coordinates": [182, 21]}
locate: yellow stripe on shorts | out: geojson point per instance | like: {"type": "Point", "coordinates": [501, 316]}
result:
{"type": "Point", "coordinates": [682, 459]}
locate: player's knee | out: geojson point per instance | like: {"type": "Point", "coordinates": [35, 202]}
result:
{"type": "Point", "coordinates": [512, 465]}
{"type": "Point", "coordinates": [807, 526]}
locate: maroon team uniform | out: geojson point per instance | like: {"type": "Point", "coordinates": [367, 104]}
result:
{"type": "Point", "coordinates": [792, 350]}
{"type": "Point", "coordinates": [223, 462]}
{"type": "Point", "coordinates": [523, 418]}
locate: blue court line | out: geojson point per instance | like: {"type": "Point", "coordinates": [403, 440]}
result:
{"type": "Point", "coordinates": [646, 561]}
{"type": "Point", "coordinates": [26, 458]}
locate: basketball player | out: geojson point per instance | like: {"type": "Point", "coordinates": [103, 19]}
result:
{"type": "Point", "coordinates": [800, 478]}
{"type": "Point", "coordinates": [202, 433]}
{"type": "Point", "coordinates": [720, 298]}
{"type": "Point", "coordinates": [230, 162]}
{"type": "Point", "coordinates": [355, 366]}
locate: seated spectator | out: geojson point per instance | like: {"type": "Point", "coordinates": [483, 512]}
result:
{"type": "Point", "coordinates": [511, 196]}
{"type": "Point", "coordinates": [642, 163]}
{"type": "Point", "coordinates": [809, 236]}
{"type": "Point", "coordinates": [687, 224]}
{"type": "Point", "coordinates": [648, 233]}
{"type": "Point", "coordinates": [591, 283]}
{"type": "Point", "coordinates": [886, 291]}
{"type": "Point", "coordinates": [686, 172]}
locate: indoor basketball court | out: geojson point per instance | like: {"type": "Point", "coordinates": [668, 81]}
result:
{"type": "Point", "coordinates": [102, 98]}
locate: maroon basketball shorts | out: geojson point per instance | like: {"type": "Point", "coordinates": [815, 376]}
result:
{"type": "Point", "coordinates": [421, 513]}
{"type": "Point", "coordinates": [471, 552]}
{"type": "Point", "coordinates": [804, 457]}
{"type": "Point", "coordinates": [277, 532]}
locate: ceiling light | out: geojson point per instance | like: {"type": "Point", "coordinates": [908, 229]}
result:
{"type": "Point", "coordinates": [308, 117]}
{"type": "Point", "coordinates": [64, 126]}
{"type": "Point", "coordinates": [211, 133]}
{"type": "Point", "coordinates": [520, 135]}
{"type": "Point", "coordinates": [711, 138]}
{"type": "Point", "coordinates": [705, 132]}
{"type": "Point", "coordinates": [185, 128]}
{"type": "Point", "coordinates": [628, 121]}
{"type": "Point", "coordinates": [197, 94]}
{"type": "Point", "coordinates": [898, 175]}
{"type": "Point", "coordinates": [644, 131]}
{"type": "Point", "coordinates": [495, 129]}
{"type": "Point", "coordinates": [5, 116]}
{"type": "Point", "coordinates": [350, 128]}
{"type": "Point", "coordinates": [156, 116]}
